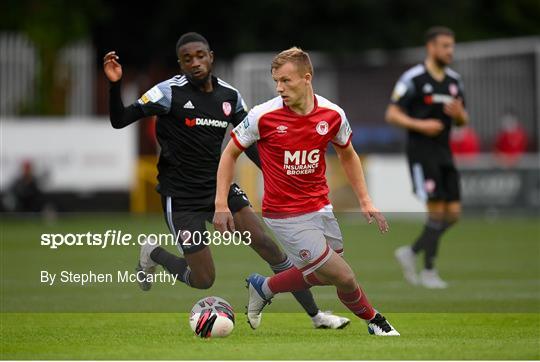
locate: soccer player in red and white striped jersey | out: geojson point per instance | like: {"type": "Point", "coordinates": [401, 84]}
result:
{"type": "Point", "coordinates": [292, 132]}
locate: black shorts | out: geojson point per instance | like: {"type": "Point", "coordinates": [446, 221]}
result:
{"type": "Point", "coordinates": [190, 221]}
{"type": "Point", "coordinates": [434, 180]}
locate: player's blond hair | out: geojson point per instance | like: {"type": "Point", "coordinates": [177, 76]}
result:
{"type": "Point", "coordinates": [296, 56]}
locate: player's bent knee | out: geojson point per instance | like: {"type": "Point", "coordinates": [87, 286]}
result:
{"type": "Point", "coordinates": [453, 218]}
{"type": "Point", "coordinates": [313, 279]}
{"type": "Point", "coordinates": [203, 282]}
{"type": "Point", "coordinates": [261, 241]}
{"type": "Point", "coordinates": [437, 216]}
{"type": "Point", "coordinates": [267, 249]}
{"type": "Point", "coordinates": [206, 284]}
{"type": "Point", "coordinates": [453, 214]}
{"type": "Point", "coordinates": [346, 281]}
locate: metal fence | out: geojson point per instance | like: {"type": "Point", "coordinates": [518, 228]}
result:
{"type": "Point", "coordinates": [17, 72]}
{"type": "Point", "coordinates": [251, 74]}
{"type": "Point", "coordinates": [499, 75]}
{"type": "Point", "coordinates": [19, 66]}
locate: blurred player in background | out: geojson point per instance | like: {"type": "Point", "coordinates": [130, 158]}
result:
{"type": "Point", "coordinates": [25, 194]}
{"type": "Point", "coordinates": [194, 111]}
{"type": "Point", "coordinates": [511, 141]}
{"type": "Point", "coordinates": [427, 100]}
{"type": "Point", "coordinates": [292, 132]}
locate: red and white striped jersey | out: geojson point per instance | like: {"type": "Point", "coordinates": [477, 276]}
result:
{"type": "Point", "coordinates": [292, 149]}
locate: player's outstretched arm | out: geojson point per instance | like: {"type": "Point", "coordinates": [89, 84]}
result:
{"type": "Point", "coordinates": [430, 127]}
{"type": "Point", "coordinates": [353, 169]}
{"type": "Point", "coordinates": [120, 116]}
{"type": "Point", "coordinates": [223, 219]}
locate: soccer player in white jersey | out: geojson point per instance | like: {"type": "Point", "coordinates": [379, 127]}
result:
{"type": "Point", "coordinates": [292, 132]}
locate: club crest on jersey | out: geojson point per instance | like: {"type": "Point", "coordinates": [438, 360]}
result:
{"type": "Point", "coordinates": [322, 128]}
{"type": "Point", "coordinates": [453, 89]}
{"type": "Point", "coordinates": [429, 186]}
{"type": "Point", "coordinates": [427, 88]}
{"type": "Point", "coordinates": [305, 255]}
{"type": "Point", "coordinates": [227, 108]}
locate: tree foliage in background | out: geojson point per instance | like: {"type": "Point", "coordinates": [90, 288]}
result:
{"type": "Point", "coordinates": [145, 33]}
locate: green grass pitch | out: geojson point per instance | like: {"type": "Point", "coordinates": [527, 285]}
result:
{"type": "Point", "coordinates": [490, 311]}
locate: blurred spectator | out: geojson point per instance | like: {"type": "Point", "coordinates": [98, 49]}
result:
{"type": "Point", "coordinates": [24, 194]}
{"type": "Point", "coordinates": [511, 141]}
{"type": "Point", "coordinates": [464, 141]}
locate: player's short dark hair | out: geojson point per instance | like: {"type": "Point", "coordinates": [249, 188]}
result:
{"type": "Point", "coordinates": [191, 37]}
{"type": "Point", "coordinates": [435, 31]}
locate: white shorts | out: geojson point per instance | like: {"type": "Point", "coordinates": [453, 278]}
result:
{"type": "Point", "coordinates": [309, 239]}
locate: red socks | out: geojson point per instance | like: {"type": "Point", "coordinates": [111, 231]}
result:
{"type": "Point", "coordinates": [292, 280]}
{"type": "Point", "coordinates": [358, 303]}
{"type": "Point", "coordinates": [313, 280]}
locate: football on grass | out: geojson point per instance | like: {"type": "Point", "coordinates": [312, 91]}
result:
{"type": "Point", "coordinates": [212, 317]}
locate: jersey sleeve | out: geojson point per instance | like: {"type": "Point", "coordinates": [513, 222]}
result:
{"type": "Point", "coordinates": [461, 90]}
{"type": "Point", "coordinates": [403, 92]}
{"type": "Point", "coordinates": [157, 101]}
{"type": "Point", "coordinates": [247, 132]}
{"type": "Point", "coordinates": [344, 134]}
{"type": "Point", "coordinates": [240, 111]}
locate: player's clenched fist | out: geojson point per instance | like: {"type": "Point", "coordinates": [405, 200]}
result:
{"type": "Point", "coordinates": [111, 67]}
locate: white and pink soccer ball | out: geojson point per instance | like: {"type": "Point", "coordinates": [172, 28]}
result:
{"type": "Point", "coordinates": [212, 317]}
